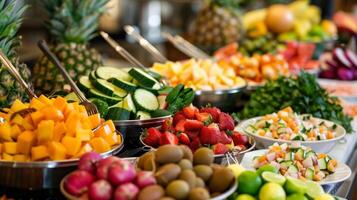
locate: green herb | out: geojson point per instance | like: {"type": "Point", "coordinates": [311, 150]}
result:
{"type": "Point", "coordinates": [303, 94]}
{"type": "Point", "coordinates": [179, 97]}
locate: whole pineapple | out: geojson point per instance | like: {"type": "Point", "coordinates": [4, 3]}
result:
{"type": "Point", "coordinates": [71, 24]}
{"type": "Point", "coordinates": [11, 15]}
{"type": "Point", "coordinates": [217, 24]}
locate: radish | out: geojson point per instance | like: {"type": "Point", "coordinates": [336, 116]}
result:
{"type": "Point", "coordinates": [352, 57]}
{"type": "Point", "coordinates": [103, 166]}
{"type": "Point", "coordinates": [339, 55]}
{"type": "Point", "coordinates": [78, 181]}
{"type": "Point", "coordinates": [345, 74]}
{"type": "Point", "coordinates": [328, 73]}
{"type": "Point", "coordinates": [332, 64]}
{"type": "Point", "coordinates": [120, 173]}
{"type": "Point", "coordinates": [127, 191]}
{"type": "Point", "coordinates": [87, 162]}
{"type": "Point", "coordinates": [100, 190]}
{"type": "Point", "coordinates": [145, 178]}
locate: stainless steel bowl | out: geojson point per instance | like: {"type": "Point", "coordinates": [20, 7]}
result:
{"type": "Point", "coordinates": [42, 174]}
{"type": "Point", "coordinates": [226, 100]}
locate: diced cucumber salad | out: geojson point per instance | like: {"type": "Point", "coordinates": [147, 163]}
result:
{"type": "Point", "coordinates": [297, 161]}
{"type": "Point", "coordinates": [127, 94]}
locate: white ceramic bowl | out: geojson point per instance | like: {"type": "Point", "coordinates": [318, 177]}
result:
{"type": "Point", "coordinates": [320, 146]}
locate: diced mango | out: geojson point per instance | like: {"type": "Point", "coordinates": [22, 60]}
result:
{"type": "Point", "coordinates": [57, 151]}
{"type": "Point", "coordinates": [7, 157]}
{"type": "Point", "coordinates": [103, 131]}
{"type": "Point", "coordinates": [20, 158]}
{"type": "Point", "coordinates": [73, 123]}
{"type": "Point", "coordinates": [37, 104]}
{"type": "Point", "coordinates": [37, 117]}
{"type": "Point", "coordinates": [52, 113]}
{"type": "Point", "coordinates": [15, 131]}
{"type": "Point", "coordinates": [95, 120]}
{"type": "Point", "coordinates": [1, 148]}
{"type": "Point", "coordinates": [99, 145]}
{"type": "Point", "coordinates": [39, 152]}
{"type": "Point", "coordinates": [59, 131]}
{"type": "Point", "coordinates": [5, 132]}
{"type": "Point", "coordinates": [112, 139]}
{"type": "Point", "coordinates": [71, 144]}
{"type": "Point", "coordinates": [86, 123]}
{"type": "Point", "coordinates": [84, 134]}
{"type": "Point", "coordinates": [17, 105]}
{"type": "Point", "coordinates": [60, 103]}
{"type": "Point", "coordinates": [10, 148]}
{"type": "Point", "coordinates": [25, 141]}
{"type": "Point", "coordinates": [111, 125]}
{"type": "Point", "coordinates": [27, 125]}
{"type": "Point", "coordinates": [45, 131]}
{"type": "Point", "coordinates": [120, 139]}
{"type": "Point", "coordinates": [45, 100]}
{"type": "Point", "coordinates": [84, 149]}
{"type": "Point", "coordinates": [17, 120]}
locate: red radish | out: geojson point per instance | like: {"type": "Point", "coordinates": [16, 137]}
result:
{"type": "Point", "coordinates": [100, 190]}
{"type": "Point", "coordinates": [145, 178]}
{"type": "Point", "coordinates": [120, 173]}
{"type": "Point", "coordinates": [352, 57]}
{"type": "Point", "coordinates": [127, 191]}
{"type": "Point", "coordinates": [78, 182]}
{"type": "Point", "coordinates": [87, 162]}
{"type": "Point", "coordinates": [332, 64]}
{"type": "Point", "coordinates": [355, 74]}
{"type": "Point", "coordinates": [329, 73]}
{"type": "Point", "coordinates": [103, 166]}
{"type": "Point", "coordinates": [339, 55]}
{"type": "Point", "coordinates": [345, 74]}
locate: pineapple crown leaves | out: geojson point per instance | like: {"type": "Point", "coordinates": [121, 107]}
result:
{"type": "Point", "coordinates": [232, 4]}
{"type": "Point", "coordinates": [11, 16]}
{"type": "Point", "coordinates": [73, 20]}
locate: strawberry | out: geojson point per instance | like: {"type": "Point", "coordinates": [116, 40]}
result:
{"type": "Point", "coordinates": [224, 138]}
{"type": "Point", "coordinates": [192, 134]}
{"type": "Point", "coordinates": [167, 125]}
{"type": "Point", "coordinates": [226, 122]}
{"type": "Point", "coordinates": [178, 117]}
{"type": "Point", "coordinates": [168, 138]}
{"type": "Point", "coordinates": [195, 144]}
{"type": "Point", "coordinates": [213, 111]}
{"type": "Point", "coordinates": [183, 138]}
{"type": "Point", "coordinates": [220, 148]}
{"type": "Point", "coordinates": [239, 139]}
{"type": "Point", "coordinates": [193, 125]}
{"type": "Point", "coordinates": [206, 118]}
{"type": "Point", "coordinates": [152, 137]}
{"type": "Point", "coordinates": [180, 126]}
{"type": "Point", "coordinates": [210, 134]}
{"type": "Point", "coordinates": [190, 111]}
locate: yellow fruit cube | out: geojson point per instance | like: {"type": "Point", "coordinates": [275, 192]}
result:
{"type": "Point", "coordinates": [5, 132]}
{"type": "Point", "coordinates": [84, 134]}
{"type": "Point", "coordinates": [27, 125]}
{"type": "Point", "coordinates": [45, 131]}
{"type": "Point", "coordinates": [73, 123]}
{"type": "Point", "coordinates": [45, 100]}
{"type": "Point", "coordinates": [20, 158]}
{"type": "Point", "coordinates": [10, 147]}
{"type": "Point", "coordinates": [17, 105]}
{"type": "Point", "coordinates": [84, 149]}
{"type": "Point", "coordinates": [7, 157]}
{"type": "Point", "coordinates": [25, 141]}
{"type": "Point", "coordinates": [86, 123]}
{"type": "Point", "coordinates": [110, 124]}
{"type": "Point", "coordinates": [59, 131]}
{"type": "Point", "coordinates": [57, 151]}
{"type": "Point", "coordinates": [37, 104]}
{"type": "Point", "coordinates": [37, 117]}
{"type": "Point", "coordinates": [71, 144]}
{"type": "Point", "coordinates": [52, 113]}
{"type": "Point", "coordinates": [60, 103]}
{"type": "Point", "coordinates": [112, 139]}
{"type": "Point", "coordinates": [99, 145]}
{"type": "Point", "coordinates": [15, 131]}
{"type": "Point", "coordinates": [39, 152]}
{"type": "Point", "coordinates": [17, 120]}
{"type": "Point", "coordinates": [1, 147]}
{"type": "Point", "coordinates": [120, 139]}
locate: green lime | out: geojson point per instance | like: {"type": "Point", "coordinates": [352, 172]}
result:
{"type": "Point", "coordinates": [324, 197]}
{"type": "Point", "coordinates": [249, 182]}
{"type": "Point", "coordinates": [272, 191]}
{"type": "Point", "coordinates": [293, 185]}
{"type": "Point", "coordinates": [314, 189]}
{"type": "Point", "coordinates": [296, 197]}
{"type": "Point", "coordinates": [273, 178]}
{"type": "Point", "coordinates": [233, 196]}
{"type": "Point", "coordinates": [267, 168]}
{"type": "Point", "coordinates": [245, 197]}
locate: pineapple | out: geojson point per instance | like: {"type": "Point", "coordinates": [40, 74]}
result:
{"type": "Point", "coordinates": [217, 24]}
{"type": "Point", "coordinates": [71, 25]}
{"type": "Point", "coordinates": [11, 15]}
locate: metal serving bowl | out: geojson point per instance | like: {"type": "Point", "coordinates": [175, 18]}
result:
{"type": "Point", "coordinates": [41, 174]}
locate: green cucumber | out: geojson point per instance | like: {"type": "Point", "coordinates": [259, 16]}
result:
{"type": "Point", "coordinates": [298, 138]}
{"type": "Point", "coordinates": [146, 100]}
{"type": "Point", "coordinates": [104, 86]}
{"type": "Point", "coordinates": [128, 103]}
{"type": "Point", "coordinates": [310, 154]}
{"type": "Point", "coordinates": [309, 174]}
{"type": "Point", "coordinates": [71, 97]}
{"type": "Point", "coordinates": [322, 164]}
{"type": "Point", "coordinates": [84, 84]}
{"type": "Point", "coordinates": [160, 113]}
{"type": "Point", "coordinates": [301, 153]}
{"type": "Point", "coordinates": [102, 106]}
{"type": "Point", "coordinates": [118, 92]}
{"type": "Point", "coordinates": [92, 77]}
{"type": "Point", "coordinates": [93, 93]}
{"type": "Point", "coordinates": [289, 156]}
{"type": "Point", "coordinates": [125, 85]}
{"type": "Point", "coordinates": [286, 164]}
{"type": "Point", "coordinates": [142, 77]}
{"type": "Point", "coordinates": [112, 72]}
{"type": "Point", "coordinates": [292, 169]}
{"type": "Point", "coordinates": [117, 113]}
{"type": "Point", "coordinates": [143, 115]}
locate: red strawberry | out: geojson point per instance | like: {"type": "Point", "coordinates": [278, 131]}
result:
{"type": "Point", "coordinates": [210, 134]}
{"type": "Point", "coordinates": [167, 125]}
{"type": "Point", "coordinates": [192, 134]}
{"type": "Point", "coordinates": [152, 137]}
{"type": "Point", "coordinates": [213, 111]}
{"type": "Point", "coordinates": [220, 148]}
{"type": "Point", "coordinates": [180, 126]}
{"type": "Point", "coordinates": [206, 118]}
{"type": "Point", "coordinates": [193, 125]}
{"type": "Point", "coordinates": [178, 117]}
{"type": "Point", "coordinates": [168, 138]}
{"type": "Point", "coordinates": [190, 111]}
{"type": "Point", "coordinates": [226, 122]}
{"type": "Point", "coordinates": [195, 144]}
{"type": "Point", "coordinates": [224, 138]}
{"type": "Point", "coordinates": [239, 139]}
{"type": "Point", "coordinates": [183, 138]}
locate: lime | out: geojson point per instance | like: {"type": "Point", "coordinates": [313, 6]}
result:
{"type": "Point", "coordinates": [314, 189]}
{"type": "Point", "coordinates": [293, 185]}
{"type": "Point", "coordinates": [272, 191]}
{"type": "Point", "coordinates": [267, 168]}
{"type": "Point", "coordinates": [245, 197]}
{"type": "Point", "coordinates": [249, 182]}
{"type": "Point", "coordinates": [237, 169]}
{"type": "Point", "coordinates": [324, 197]}
{"type": "Point", "coordinates": [296, 197]}
{"type": "Point", "coordinates": [233, 196]}
{"type": "Point", "coordinates": [273, 178]}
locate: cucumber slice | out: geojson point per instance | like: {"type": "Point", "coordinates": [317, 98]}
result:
{"type": "Point", "coordinates": [309, 174]}
{"type": "Point", "coordinates": [162, 101]}
{"type": "Point", "coordinates": [322, 164]}
{"type": "Point", "coordinates": [92, 77]}
{"type": "Point", "coordinates": [97, 94]}
{"type": "Point", "coordinates": [301, 153]}
{"type": "Point", "coordinates": [286, 164]}
{"type": "Point", "coordinates": [125, 85]}
{"type": "Point", "coordinates": [85, 84]}
{"type": "Point", "coordinates": [289, 156]}
{"type": "Point", "coordinates": [71, 97]}
{"type": "Point", "coordinates": [142, 77]}
{"type": "Point", "coordinates": [160, 113]}
{"type": "Point", "coordinates": [298, 138]}
{"type": "Point", "coordinates": [128, 103]}
{"type": "Point", "coordinates": [118, 92]}
{"type": "Point", "coordinates": [104, 86]}
{"type": "Point", "coordinates": [143, 115]}
{"type": "Point", "coordinates": [117, 113]}
{"type": "Point", "coordinates": [310, 154]}
{"type": "Point", "coordinates": [292, 169]}
{"type": "Point", "coordinates": [146, 100]}
{"type": "Point", "coordinates": [112, 72]}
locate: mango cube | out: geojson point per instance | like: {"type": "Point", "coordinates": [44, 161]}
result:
{"type": "Point", "coordinates": [84, 134]}
{"type": "Point", "coordinates": [99, 145]}
{"type": "Point", "coordinates": [5, 132]}
{"type": "Point", "coordinates": [15, 131]}
{"type": "Point", "coordinates": [17, 106]}
{"type": "Point", "coordinates": [37, 104]}
{"type": "Point", "coordinates": [57, 151]}
{"type": "Point", "coordinates": [52, 113]}
{"type": "Point", "coordinates": [73, 123]}
{"type": "Point", "coordinates": [25, 141]}
{"type": "Point", "coordinates": [112, 139]}
{"type": "Point", "coordinates": [37, 117]}
{"type": "Point", "coordinates": [45, 131]}
{"type": "Point", "coordinates": [59, 131]}
{"type": "Point", "coordinates": [60, 103]}
{"type": "Point", "coordinates": [103, 131]}
{"type": "Point", "coordinates": [17, 120]}
{"type": "Point", "coordinates": [84, 149]}
{"type": "Point", "coordinates": [7, 157]}
{"type": "Point", "coordinates": [20, 158]}
{"type": "Point", "coordinates": [10, 148]}
{"type": "Point", "coordinates": [71, 144]}
{"type": "Point", "coordinates": [39, 152]}
{"type": "Point", "coordinates": [110, 124]}
{"type": "Point", "coordinates": [95, 120]}
{"type": "Point", "coordinates": [45, 100]}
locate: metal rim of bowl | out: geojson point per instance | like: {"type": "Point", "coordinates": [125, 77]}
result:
{"type": "Point", "coordinates": [138, 122]}
{"type": "Point", "coordinates": [293, 141]}
{"type": "Point", "coordinates": [223, 91]}
{"type": "Point", "coordinates": [57, 164]}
